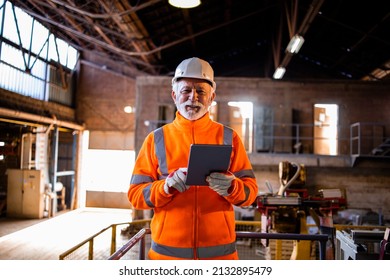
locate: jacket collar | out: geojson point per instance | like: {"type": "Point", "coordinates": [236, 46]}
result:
{"type": "Point", "coordinates": [198, 125]}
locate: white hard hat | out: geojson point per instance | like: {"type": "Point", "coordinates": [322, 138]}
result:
{"type": "Point", "coordinates": [195, 68]}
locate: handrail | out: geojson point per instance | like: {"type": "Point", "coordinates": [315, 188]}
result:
{"type": "Point", "coordinates": [91, 243]}
{"type": "Point", "coordinates": [88, 240]}
{"type": "Point", "coordinates": [140, 236]}
{"type": "Point", "coordinates": [358, 137]}
{"type": "Point", "coordinates": [322, 238]}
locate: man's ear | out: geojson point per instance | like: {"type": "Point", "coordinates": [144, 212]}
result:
{"type": "Point", "coordinates": [213, 96]}
{"type": "Point", "coordinates": [173, 94]}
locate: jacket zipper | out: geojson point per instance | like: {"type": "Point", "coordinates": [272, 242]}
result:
{"type": "Point", "coordinates": [195, 209]}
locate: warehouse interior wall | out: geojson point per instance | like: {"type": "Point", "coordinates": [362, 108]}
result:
{"type": "Point", "coordinates": [102, 94]}
{"type": "Point", "coordinates": [365, 182]}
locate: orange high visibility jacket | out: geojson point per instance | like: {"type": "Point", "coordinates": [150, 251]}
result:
{"type": "Point", "coordinates": [198, 223]}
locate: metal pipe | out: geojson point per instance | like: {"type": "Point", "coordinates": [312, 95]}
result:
{"type": "Point", "coordinates": [133, 241]}
{"type": "Point", "coordinates": [309, 17]}
{"type": "Point", "coordinates": [40, 119]}
{"type": "Point", "coordinates": [106, 15]}
{"type": "Point", "coordinates": [54, 160]}
{"type": "Point", "coordinates": [113, 239]}
{"type": "Point", "coordinates": [132, 54]}
{"type": "Point", "coordinates": [142, 246]}
{"type": "Point", "coordinates": [284, 187]}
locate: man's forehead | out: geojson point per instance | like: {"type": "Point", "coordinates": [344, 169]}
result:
{"type": "Point", "coordinates": [193, 82]}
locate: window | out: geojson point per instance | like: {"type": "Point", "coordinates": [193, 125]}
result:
{"type": "Point", "coordinates": [27, 50]}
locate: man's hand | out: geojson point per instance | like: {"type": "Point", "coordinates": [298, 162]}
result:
{"type": "Point", "coordinates": [220, 182]}
{"type": "Point", "coordinates": [176, 180]}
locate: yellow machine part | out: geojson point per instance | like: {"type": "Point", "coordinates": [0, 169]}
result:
{"type": "Point", "coordinates": [301, 248]}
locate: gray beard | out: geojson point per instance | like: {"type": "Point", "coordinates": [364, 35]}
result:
{"type": "Point", "coordinates": [190, 115]}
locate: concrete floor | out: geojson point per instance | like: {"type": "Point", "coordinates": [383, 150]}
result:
{"type": "Point", "coordinates": [46, 239]}
{"type": "Point", "coordinates": [11, 225]}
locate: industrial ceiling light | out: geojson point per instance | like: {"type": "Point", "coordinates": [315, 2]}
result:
{"type": "Point", "coordinates": [184, 3]}
{"type": "Point", "coordinates": [295, 44]}
{"type": "Point", "coordinates": [279, 72]}
{"type": "Point", "coordinates": [128, 109]}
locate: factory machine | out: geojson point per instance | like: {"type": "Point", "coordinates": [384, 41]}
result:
{"type": "Point", "coordinates": [30, 191]}
{"type": "Point", "coordinates": [287, 210]}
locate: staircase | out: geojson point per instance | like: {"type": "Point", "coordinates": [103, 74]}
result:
{"type": "Point", "coordinates": [383, 149]}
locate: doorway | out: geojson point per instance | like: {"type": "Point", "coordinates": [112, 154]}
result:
{"type": "Point", "coordinates": [241, 120]}
{"type": "Point", "coordinates": [326, 129]}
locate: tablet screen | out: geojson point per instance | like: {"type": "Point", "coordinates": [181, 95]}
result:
{"type": "Point", "coordinates": [204, 159]}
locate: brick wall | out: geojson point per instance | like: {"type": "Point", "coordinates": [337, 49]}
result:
{"type": "Point", "coordinates": [366, 186]}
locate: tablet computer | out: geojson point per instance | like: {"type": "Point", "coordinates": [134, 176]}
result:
{"type": "Point", "coordinates": [204, 159]}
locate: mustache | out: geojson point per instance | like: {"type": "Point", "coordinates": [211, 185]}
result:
{"type": "Point", "coordinates": [190, 103]}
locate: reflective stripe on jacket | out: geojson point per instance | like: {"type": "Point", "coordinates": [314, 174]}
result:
{"type": "Point", "coordinates": [198, 223]}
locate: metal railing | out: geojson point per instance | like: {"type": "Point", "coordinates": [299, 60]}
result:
{"type": "Point", "coordinates": [356, 139]}
{"type": "Point", "coordinates": [140, 237]}
{"type": "Point", "coordinates": [365, 137]}
{"type": "Point", "coordinates": [137, 246]}
{"type": "Point", "coordinates": [97, 244]}
{"type": "Point", "coordinates": [253, 236]}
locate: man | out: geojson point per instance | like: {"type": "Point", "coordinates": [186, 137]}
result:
{"type": "Point", "coordinates": [191, 222]}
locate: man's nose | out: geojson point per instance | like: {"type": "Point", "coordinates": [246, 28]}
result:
{"type": "Point", "coordinates": [193, 95]}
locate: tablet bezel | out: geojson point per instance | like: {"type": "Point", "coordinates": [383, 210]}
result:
{"type": "Point", "coordinates": [204, 159]}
